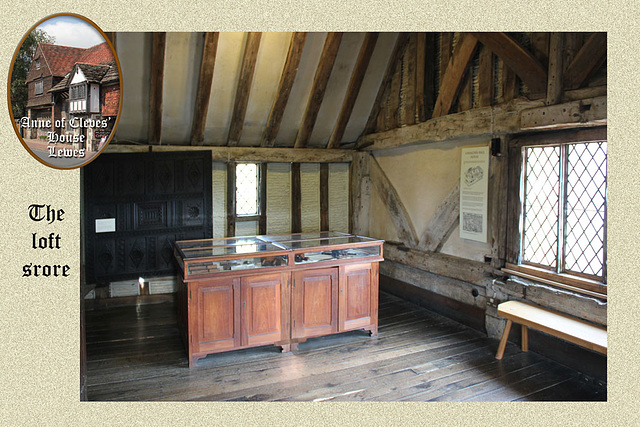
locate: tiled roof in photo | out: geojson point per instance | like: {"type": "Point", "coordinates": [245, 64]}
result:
{"type": "Point", "coordinates": [99, 54]}
{"type": "Point", "coordinates": [93, 73]}
{"type": "Point", "coordinates": [61, 59]}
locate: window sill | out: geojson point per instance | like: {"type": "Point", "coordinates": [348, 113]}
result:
{"type": "Point", "coordinates": [240, 218]}
{"type": "Point", "coordinates": [565, 281]}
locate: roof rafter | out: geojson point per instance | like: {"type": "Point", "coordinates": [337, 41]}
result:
{"type": "Point", "coordinates": [209, 50]}
{"type": "Point", "coordinates": [158, 47]}
{"type": "Point", "coordinates": [399, 47]}
{"type": "Point", "coordinates": [289, 73]}
{"type": "Point", "coordinates": [244, 87]}
{"type": "Point", "coordinates": [320, 80]}
{"type": "Point", "coordinates": [357, 76]}
{"type": "Point", "coordinates": [520, 60]}
{"type": "Point", "coordinates": [589, 59]}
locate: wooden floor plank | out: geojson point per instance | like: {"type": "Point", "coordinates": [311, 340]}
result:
{"type": "Point", "coordinates": [135, 353]}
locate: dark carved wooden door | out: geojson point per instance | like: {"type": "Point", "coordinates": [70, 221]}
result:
{"type": "Point", "coordinates": [137, 205]}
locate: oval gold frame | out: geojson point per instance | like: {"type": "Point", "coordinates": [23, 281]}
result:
{"type": "Point", "coordinates": [13, 60]}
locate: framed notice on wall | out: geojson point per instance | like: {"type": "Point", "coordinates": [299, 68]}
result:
{"type": "Point", "coordinates": [474, 180]}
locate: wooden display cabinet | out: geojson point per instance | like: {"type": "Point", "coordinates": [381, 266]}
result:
{"type": "Point", "coordinates": [251, 291]}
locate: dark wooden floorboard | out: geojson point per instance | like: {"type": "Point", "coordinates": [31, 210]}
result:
{"type": "Point", "coordinates": [136, 353]}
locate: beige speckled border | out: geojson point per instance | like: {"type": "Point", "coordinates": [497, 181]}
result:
{"type": "Point", "coordinates": [39, 318]}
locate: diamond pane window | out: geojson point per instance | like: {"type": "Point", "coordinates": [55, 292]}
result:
{"type": "Point", "coordinates": [542, 184]}
{"type": "Point", "coordinates": [564, 208]}
{"type": "Point", "coordinates": [586, 196]}
{"type": "Point", "coordinates": [247, 189]}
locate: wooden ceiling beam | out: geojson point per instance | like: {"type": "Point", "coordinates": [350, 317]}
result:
{"type": "Point", "coordinates": [284, 89]}
{"type": "Point", "coordinates": [246, 154]}
{"type": "Point", "coordinates": [357, 76]}
{"type": "Point", "coordinates": [520, 60]}
{"type": "Point", "coordinates": [209, 50]}
{"type": "Point", "coordinates": [589, 58]}
{"type": "Point", "coordinates": [496, 120]}
{"type": "Point", "coordinates": [320, 80]}
{"type": "Point", "coordinates": [399, 47]}
{"type": "Point", "coordinates": [158, 46]}
{"type": "Point", "coordinates": [244, 88]}
{"type": "Point", "coordinates": [453, 76]}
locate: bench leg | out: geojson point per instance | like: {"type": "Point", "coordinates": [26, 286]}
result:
{"type": "Point", "coordinates": [503, 341]}
{"type": "Point", "coordinates": [525, 338]}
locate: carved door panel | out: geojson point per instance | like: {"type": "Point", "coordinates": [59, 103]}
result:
{"type": "Point", "coordinates": [314, 306]}
{"type": "Point", "coordinates": [215, 308]}
{"type": "Point", "coordinates": [358, 302]}
{"type": "Point", "coordinates": [262, 309]}
{"type": "Point", "coordinates": [154, 199]}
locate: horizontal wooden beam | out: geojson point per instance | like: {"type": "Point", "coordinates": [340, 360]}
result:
{"type": "Point", "coordinates": [247, 154]}
{"type": "Point", "coordinates": [476, 122]}
{"type": "Point", "coordinates": [587, 112]}
{"type": "Point", "coordinates": [520, 60]}
{"type": "Point", "coordinates": [454, 289]}
{"type": "Point", "coordinates": [589, 134]}
{"type": "Point", "coordinates": [475, 272]}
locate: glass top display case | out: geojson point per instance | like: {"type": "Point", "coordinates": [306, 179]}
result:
{"type": "Point", "coordinates": [205, 257]}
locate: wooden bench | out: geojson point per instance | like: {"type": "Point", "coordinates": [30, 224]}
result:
{"type": "Point", "coordinates": [560, 325]}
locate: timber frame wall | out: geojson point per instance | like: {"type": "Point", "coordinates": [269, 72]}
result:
{"type": "Point", "coordinates": [487, 86]}
{"type": "Point", "coordinates": [444, 88]}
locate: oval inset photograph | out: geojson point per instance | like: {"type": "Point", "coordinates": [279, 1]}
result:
{"type": "Point", "coordinates": [64, 91]}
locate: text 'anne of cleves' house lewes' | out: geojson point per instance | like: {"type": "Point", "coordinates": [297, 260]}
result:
{"type": "Point", "coordinates": [69, 82]}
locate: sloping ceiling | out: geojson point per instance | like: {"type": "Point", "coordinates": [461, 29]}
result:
{"type": "Point", "coordinates": [182, 62]}
{"type": "Point", "coordinates": [333, 90]}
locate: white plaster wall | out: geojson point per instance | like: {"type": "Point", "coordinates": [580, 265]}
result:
{"type": "Point", "coordinates": [381, 225]}
{"type": "Point", "coordinates": [423, 175]}
{"type": "Point", "coordinates": [219, 189]}
{"type": "Point", "coordinates": [339, 197]}
{"type": "Point", "coordinates": [310, 196]}
{"type": "Point", "coordinates": [278, 198]}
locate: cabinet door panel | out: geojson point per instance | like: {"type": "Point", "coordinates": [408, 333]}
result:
{"type": "Point", "coordinates": [262, 309]}
{"type": "Point", "coordinates": [358, 296]}
{"type": "Point", "coordinates": [315, 302]}
{"type": "Point", "coordinates": [217, 308]}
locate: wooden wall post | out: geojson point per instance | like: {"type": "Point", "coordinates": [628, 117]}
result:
{"type": "Point", "coordinates": [498, 178]}
{"type": "Point", "coordinates": [324, 196]}
{"type": "Point", "coordinates": [262, 224]}
{"type": "Point", "coordinates": [231, 199]}
{"type": "Point", "coordinates": [554, 84]}
{"type": "Point", "coordinates": [359, 193]}
{"type": "Point", "coordinates": [296, 199]}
